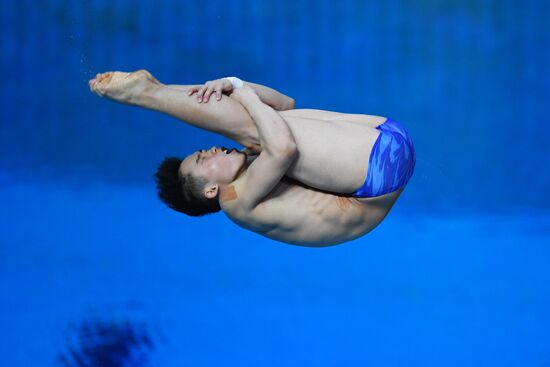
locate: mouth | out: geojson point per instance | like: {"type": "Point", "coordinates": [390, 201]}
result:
{"type": "Point", "coordinates": [227, 151]}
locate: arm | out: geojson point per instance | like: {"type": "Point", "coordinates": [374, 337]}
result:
{"type": "Point", "coordinates": [269, 96]}
{"type": "Point", "coordinates": [279, 149]}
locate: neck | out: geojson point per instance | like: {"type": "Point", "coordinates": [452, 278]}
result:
{"type": "Point", "coordinates": [247, 162]}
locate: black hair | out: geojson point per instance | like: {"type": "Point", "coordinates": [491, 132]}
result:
{"type": "Point", "coordinates": [183, 193]}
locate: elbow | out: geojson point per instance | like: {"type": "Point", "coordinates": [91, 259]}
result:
{"type": "Point", "coordinates": [291, 104]}
{"type": "Point", "coordinates": [287, 104]}
{"type": "Point", "coordinates": [284, 150]}
{"type": "Point", "coordinates": [290, 150]}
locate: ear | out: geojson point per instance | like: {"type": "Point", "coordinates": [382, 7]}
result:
{"type": "Point", "coordinates": [211, 191]}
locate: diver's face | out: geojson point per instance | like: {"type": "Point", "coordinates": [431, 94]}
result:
{"type": "Point", "coordinates": [218, 165]}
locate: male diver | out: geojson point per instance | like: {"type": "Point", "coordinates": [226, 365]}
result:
{"type": "Point", "coordinates": [306, 177]}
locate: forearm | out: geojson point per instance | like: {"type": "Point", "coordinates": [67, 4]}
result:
{"type": "Point", "coordinates": [273, 98]}
{"type": "Point", "coordinates": [273, 131]}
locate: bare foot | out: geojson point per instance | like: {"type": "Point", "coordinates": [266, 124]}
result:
{"type": "Point", "coordinates": [123, 87]}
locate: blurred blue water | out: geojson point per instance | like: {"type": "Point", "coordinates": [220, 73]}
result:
{"type": "Point", "coordinates": [456, 275]}
{"type": "Point", "coordinates": [419, 291]}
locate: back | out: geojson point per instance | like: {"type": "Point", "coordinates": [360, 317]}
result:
{"type": "Point", "coordinates": [296, 214]}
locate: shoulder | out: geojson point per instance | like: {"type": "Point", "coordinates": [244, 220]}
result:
{"type": "Point", "coordinates": [256, 220]}
{"type": "Point", "coordinates": [233, 200]}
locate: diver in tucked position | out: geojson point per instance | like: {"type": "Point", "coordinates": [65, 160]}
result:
{"type": "Point", "coordinates": [306, 177]}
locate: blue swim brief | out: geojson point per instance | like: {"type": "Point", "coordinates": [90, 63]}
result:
{"type": "Point", "coordinates": [391, 162]}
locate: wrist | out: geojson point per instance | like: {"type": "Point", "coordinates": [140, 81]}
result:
{"type": "Point", "coordinates": [235, 82]}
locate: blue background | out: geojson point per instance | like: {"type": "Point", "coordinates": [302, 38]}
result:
{"type": "Point", "coordinates": [456, 275]}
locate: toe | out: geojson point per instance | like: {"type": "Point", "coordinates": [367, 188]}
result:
{"type": "Point", "coordinates": [99, 90]}
{"type": "Point", "coordinates": [107, 78]}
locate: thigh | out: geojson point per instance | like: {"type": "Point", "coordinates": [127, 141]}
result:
{"type": "Point", "coordinates": [370, 120]}
{"type": "Point", "coordinates": [333, 155]}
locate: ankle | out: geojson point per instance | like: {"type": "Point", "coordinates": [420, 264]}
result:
{"type": "Point", "coordinates": [148, 96]}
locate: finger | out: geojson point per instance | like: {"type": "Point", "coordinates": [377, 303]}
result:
{"type": "Point", "coordinates": [201, 93]}
{"type": "Point", "coordinates": [192, 90]}
{"type": "Point", "coordinates": [219, 93]}
{"type": "Point", "coordinates": [207, 94]}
